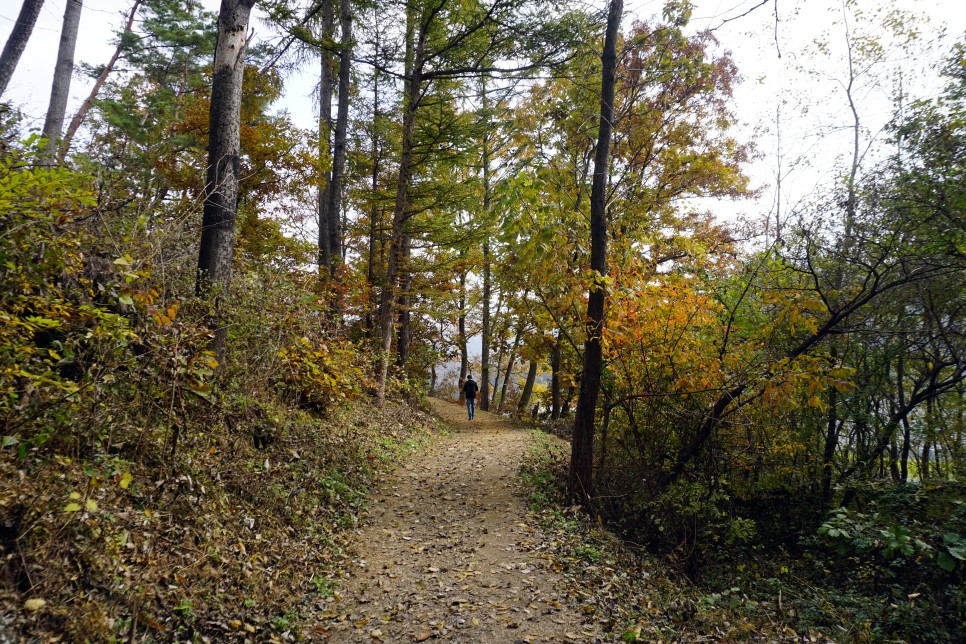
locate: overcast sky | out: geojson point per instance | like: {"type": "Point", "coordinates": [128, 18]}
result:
{"type": "Point", "coordinates": [773, 57]}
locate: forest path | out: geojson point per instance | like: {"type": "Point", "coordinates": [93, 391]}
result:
{"type": "Point", "coordinates": [448, 553]}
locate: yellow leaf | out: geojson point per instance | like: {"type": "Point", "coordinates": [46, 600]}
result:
{"type": "Point", "coordinates": [74, 495]}
{"type": "Point", "coordinates": [34, 604]}
{"type": "Point", "coordinates": [815, 401]}
{"type": "Point", "coordinates": [91, 505]}
{"type": "Point", "coordinates": [72, 507]}
{"type": "Point", "coordinates": [126, 479]}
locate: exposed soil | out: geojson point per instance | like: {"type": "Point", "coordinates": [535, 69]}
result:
{"type": "Point", "coordinates": [448, 552]}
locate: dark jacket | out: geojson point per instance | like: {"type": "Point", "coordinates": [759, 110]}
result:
{"type": "Point", "coordinates": [470, 389]}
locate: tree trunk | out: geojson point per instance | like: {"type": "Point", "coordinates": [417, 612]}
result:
{"type": "Point", "coordinates": [927, 442]}
{"type": "Point", "coordinates": [555, 396]}
{"type": "Point", "coordinates": [375, 212]}
{"type": "Point", "coordinates": [17, 40]}
{"type": "Point", "coordinates": [906, 429]}
{"type": "Point", "coordinates": [325, 138]}
{"type": "Point", "coordinates": [509, 364]}
{"type": "Point", "coordinates": [487, 321]}
{"type": "Point", "coordinates": [60, 88]}
{"type": "Point", "coordinates": [461, 326]}
{"type": "Point", "coordinates": [580, 478]}
{"type": "Point", "coordinates": [339, 140]}
{"type": "Point", "coordinates": [831, 434]}
{"type": "Point", "coordinates": [528, 387]}
{"type": "Point", "coordinates": [496, 379]}
{"type": "Point", "coordinates": [221, 181]}
{"type": "Point", "coordinates": [98, 84]}
{"type": "Point", "coordinates": [404, 334]}
{"type": "Point", "coordinates": [401, 208]}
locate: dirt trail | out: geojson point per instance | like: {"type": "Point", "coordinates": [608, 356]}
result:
{"type": "Point", "coordinates": [446, 552]}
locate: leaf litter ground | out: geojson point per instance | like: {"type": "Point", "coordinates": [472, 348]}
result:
{"type": "Point", "coordinates": [449, 552]}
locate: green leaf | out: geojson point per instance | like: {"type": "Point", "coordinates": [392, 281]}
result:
{"type": "Point", "coordinates": [10, 440]}
{"type": "Point", "coordinates": [201, 389]}
{"type": "Point", "coordinates": [946, 562]}
{"type": "Point", "coordinates": [125, 299]}
{"type": "Point", "coordinates": [72, 507]}
{"type": "Point", "coordinates": [957, 552]}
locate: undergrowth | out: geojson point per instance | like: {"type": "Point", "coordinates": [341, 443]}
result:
{"type": "Point", "coordinates": [147, 492]}
{"type": "Point", "coordinates": [229, 540]}
{"type": "Point", "coordinates": [645, 596]}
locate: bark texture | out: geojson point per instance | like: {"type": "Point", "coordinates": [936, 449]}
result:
{"type": "Point", "coordinates": [582, 449]}
{"type": "Point", "coordinates": [17, 41]}
{"type": "Point", "coordinates": [60, 88]}
{"type": "Point", "coordinates": [528, 387]}
{"type": "Point", "coordinates": [400, 213]}
{"type": "Point", "coordinates": [221, 181]}
{"type": "Point", "coordinates": [339, 140]}
{"type": "Point", "coordinates": [325, 136]}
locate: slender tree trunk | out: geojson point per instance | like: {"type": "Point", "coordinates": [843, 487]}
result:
{"type": "Point", "coordinates": [831, 435]}
{"type": "Point", "coordinates": [404, 334]}
{"type": "Point", "coordinates": [528, 387]}
{"type": "Point", "coordinates": [555, 397]}
{"type": "Point", "coordinates": [487, 277]}
{"type": "Point", "coordinates": [565, 407]}
{"type": "Point", "coordinates": [509, 365]}
{"type": "Point", "coordinates": [906, 429]}
{"type": "Point", "coordinates": [496, 379]}
{"type": "Point", "coordinates": [486, 322]}
{"type": "Point", "coordinates": [401, 207]}
{"type": "Point", "coordinates": [221, 181]}
{"type": "Point", "coordinates": [927, 442]}
{"type": "Point", "coordinates": [461, 326]}
{"type": "Point", "coordinates": [17, 41]}
{"type": "Point", "coordinates": [604, 427]}
{"type": "Point", "coordinates": [507, 374]}
{"type": "Point", "coordinates": [339, 142]}
{"type": "Point", "coordinates": [60, 88]}
{"type": "Point", "coordinates": [894, 463]}
{"type": "Point", "coordinates": [580, 479]}
{"type": "Point", "coordinates": [325, 139]}
{"type": "Point", "coordinates": [375, 211]}
{"type": "Point", "coordinates": [499, 354]}
{"type": "Point", "coordinates": [98, 84]}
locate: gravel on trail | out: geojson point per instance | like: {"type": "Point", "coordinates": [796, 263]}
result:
{"type": "Point", "coordinates": [447, 551]}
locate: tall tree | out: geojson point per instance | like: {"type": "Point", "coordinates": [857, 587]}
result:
{"type": "Point", "coordinates": [453, 41]}
{"type": "Point", "coordinates": [579, 480]}
{"type": "Point", "coordinates": [326, 72]}
{"type": "Point", "coordinates": [334, 208]}
{"type": "Point", "coordinates": [17, 41]}
{"type": "Point", "coordinates": [487, 267]}
{"type": "Point", "coordinates": [99, 83]}
{"type": "Point", "coordinates": [63, 71]}
{"type": "Point", "coordinates": [221, 181]}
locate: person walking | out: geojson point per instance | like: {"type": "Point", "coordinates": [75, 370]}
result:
{"type": "Point", "coordinates": [469, 391]}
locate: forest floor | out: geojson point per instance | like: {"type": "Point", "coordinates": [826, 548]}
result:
{"type": "Point", "coordinates": [449, 552]}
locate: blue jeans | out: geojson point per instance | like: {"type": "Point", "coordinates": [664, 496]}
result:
{"type": "Point", "coordinates": [470, 406]}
